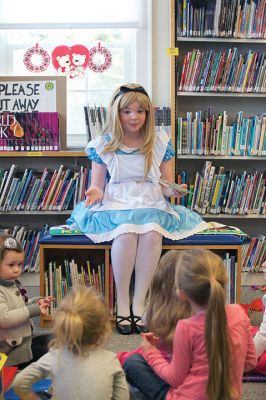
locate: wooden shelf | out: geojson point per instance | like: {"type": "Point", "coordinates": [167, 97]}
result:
{"type": "Point", "coordinates": [65, 153]}
{"type": "Point", "coordinates": [221, 94]}
{"type": "Point", "coordinates": [199, 157]}
{"type": "Point", "coordinates": [219, 39]}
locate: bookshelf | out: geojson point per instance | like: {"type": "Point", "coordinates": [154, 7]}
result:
{"type": "Point", "coordinates": [182, 101]}
{"type": "Point", "coordinates": [38, 161]}
{"type": "Point", "coordinates": [53, 252]}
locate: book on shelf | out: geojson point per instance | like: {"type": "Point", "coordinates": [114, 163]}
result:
{"type": "Point", "coordinates": [61, 276]}
{"type": "Point", "coordinates": [29, 131]}
{"type": "Point", "coordinates": [231, 19]}
{"type": "Point", "coordinates": [226, 192]}
{"type": "Point", "coordinates": [29, 239]}
{"type": "Point", "coordinates": [209, 134]}
{"type": "Point", "coordinates": [224, 71]}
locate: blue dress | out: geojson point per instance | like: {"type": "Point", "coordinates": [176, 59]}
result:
{"type": "Point", "coordinates": [132, 203]}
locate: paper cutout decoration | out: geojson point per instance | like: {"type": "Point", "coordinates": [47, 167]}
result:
{"type": "Point", "coordinates": [36, 59]}
{"type": "Point", "coordinates": [71, 61]}
{"type": "Point", "coordinates": [100, 58]}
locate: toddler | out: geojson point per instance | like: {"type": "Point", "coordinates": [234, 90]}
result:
{"type": "Point", "coordinates": [79, 365]}
{"type": "Point", "coordinates": [16, 311]}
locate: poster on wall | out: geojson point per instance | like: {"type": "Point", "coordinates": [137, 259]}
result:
{"type": "Point", "coordinates": [29, 120]}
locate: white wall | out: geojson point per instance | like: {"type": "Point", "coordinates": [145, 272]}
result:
{"type": "Point", "coordinates": [160, 59]}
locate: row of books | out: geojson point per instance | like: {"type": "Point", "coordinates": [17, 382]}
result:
{"type": "Point", "coordinates": [29, 239]}
{"type": "Point", "coordinates": [221, 18]}
{"type": "Point", "coordinates": [208, 133]}
{"type": "Point", "coordinates": [226, 192]}
{"type": "Point", "coordinates": [54, 190]}
{"type": "Point", "coordinates": [96, 118]}
{"type": "Point", "coordinates": [62, 275]}
{"type": "Point", "coordinates": [32, 131]}
{"type": "Point", "coordinates": [65, 274]}
{"type": "Point", "coordinates": [254, 254]}
{"type": "Point", "coordinates": [223, 71]}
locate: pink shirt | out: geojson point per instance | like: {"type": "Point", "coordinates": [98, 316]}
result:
{"type": "Point", "coordinates": [187, 374]}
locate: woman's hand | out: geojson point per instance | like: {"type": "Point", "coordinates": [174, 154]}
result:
{"type": "Point", "coordinates": [149, 342]}
{"type": "Point", "coordinates": [93, 195]}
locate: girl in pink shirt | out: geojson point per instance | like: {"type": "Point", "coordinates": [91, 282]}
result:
{"type": "Point", "coordinates": [163, 308]}
{"type": "Point", "coordinates": [211, 349]}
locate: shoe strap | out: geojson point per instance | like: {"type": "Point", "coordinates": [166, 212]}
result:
{"type": "Point", "coordinates": [120, 319]}
{"type": "Point", "coordinates": [136, 319]}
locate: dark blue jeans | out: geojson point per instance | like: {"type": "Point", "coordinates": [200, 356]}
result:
{"type": "Point", "coordinates": [142, 376]}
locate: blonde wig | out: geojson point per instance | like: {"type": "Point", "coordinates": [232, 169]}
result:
{"type": "Point", "coordinates": [123, 97]}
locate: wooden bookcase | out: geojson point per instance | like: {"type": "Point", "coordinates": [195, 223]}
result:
{"type": "Point", "coordinates": [250, 103]}
{"type": "Point", "coordinates": [52, 251]}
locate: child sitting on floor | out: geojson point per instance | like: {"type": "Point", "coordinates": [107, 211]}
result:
{"type": "Point", "coordinates": [163, 307]}
{"type": "Point", "coordinates": [16, 311]}
{"type": "Point", "coordinates": [260, 339]}
{"type": "Point", "coordinates": [79, 365]}
{"type": "Point", "coordinates": [211, 349]}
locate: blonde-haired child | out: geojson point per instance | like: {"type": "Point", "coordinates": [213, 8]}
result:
{"type": "Point", "coordinates": [132, 208]}
{"type": "Point", "coordinates": [16, 311]}
{"type": "Point", "coordinates": [164, 308]}
{"type": "Point", "coordinates": [79, 365]}
{"type": "Point", "coordinates": [211, 349]}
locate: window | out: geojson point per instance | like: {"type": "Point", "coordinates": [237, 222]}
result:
{"type": "Point", "coordinates": [126, 34]}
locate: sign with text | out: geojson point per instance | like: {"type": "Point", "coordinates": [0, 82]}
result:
{"type": "Point", "coordinates": [28, 96]}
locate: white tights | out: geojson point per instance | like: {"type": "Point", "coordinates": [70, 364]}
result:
{"type": "Point", "coordinates": [143, 252]}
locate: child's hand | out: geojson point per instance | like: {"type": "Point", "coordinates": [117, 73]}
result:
{"type": "Point", "coordinates": [178, 194]}
{"type": "Point", "coordinates": [46, 301]}
{"type": "Point", "coordinates": [149, 342]}
{"type": "Point", "coordinates": [43, 308]}
{"type": "Point", "coordinates": [93, 195]}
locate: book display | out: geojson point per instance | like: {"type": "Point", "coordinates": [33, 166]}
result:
{"type": "Point", "coordinates": [218, 97]}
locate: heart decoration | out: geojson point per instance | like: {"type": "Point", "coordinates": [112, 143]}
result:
{"type": "Point", "coordinates": [71, 61]}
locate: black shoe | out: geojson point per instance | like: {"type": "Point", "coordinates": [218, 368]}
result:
{"type": "Point", "coordinates": [138, 328]}
{"type": "Point", "coordinates": [124, 329]}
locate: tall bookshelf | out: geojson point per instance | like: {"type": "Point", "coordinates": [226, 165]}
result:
{"type": "Point", "coordinates": [184, 101]}
{"type": "Point", "coordinates": [38, 160]}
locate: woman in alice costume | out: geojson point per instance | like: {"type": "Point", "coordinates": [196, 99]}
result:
{"type": "Point", "coordinates": [126, 204]}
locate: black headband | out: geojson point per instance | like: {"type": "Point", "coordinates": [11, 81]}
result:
{"type": "Point", "coordinates": [126, 89]}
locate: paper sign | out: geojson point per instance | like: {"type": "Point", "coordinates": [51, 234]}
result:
{"type": "Point", "coordinates": [28, 96]}
{"type": "Point", "coordinates": [173, 51]}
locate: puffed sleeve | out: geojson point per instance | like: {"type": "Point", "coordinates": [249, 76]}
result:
{"type": "Point", "coordinates": [169, 152]}
{"type": "Point", "coordinates": [93, 155]}
{"type": "Point", "coordinates": [95, 149]}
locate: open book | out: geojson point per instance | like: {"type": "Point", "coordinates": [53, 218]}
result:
{"type": "Point", "coordinates": [173, 185]}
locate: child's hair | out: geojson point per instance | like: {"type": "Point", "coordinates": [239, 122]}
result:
{"type": "Point", "coordinates": [201, 275]}
{"type": "Point", "coordinates": [122, 98]}
{"type": "Point", "coordinates": [164, 309]}
{"type": "Point", "coordinates": [81, 321]}
{"type": "Point", "coordinates": [9, 243]}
